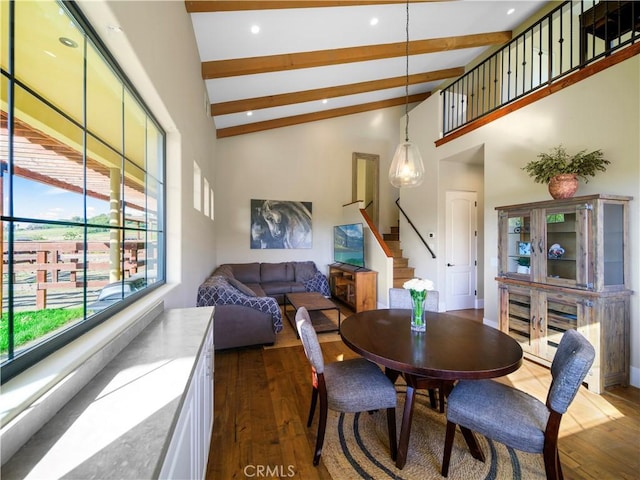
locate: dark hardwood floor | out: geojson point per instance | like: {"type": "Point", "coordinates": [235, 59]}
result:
{"type": "Point", "coordinates": [262, 401]}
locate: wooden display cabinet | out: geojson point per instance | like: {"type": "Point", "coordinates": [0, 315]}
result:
{"type": "Point", "coordinates": [354, 286]}
{"type": "Point", "coordinates": [582, 285]}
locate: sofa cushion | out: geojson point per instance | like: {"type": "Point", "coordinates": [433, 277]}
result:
{"type": "Point", "coordinates": [241, 286]}
{"type": "Point", "coordinates": [304, 271]}
{"type": "Point", "coordinates": [275, 288]}
{"type": "Point", "coordinates": [298, 288]}
{"type": "Point", "coordinates": [223, 271]}
{"type": "Point", "coordinates": [246, 272]}
{"type": "Point", "coordinates": [257, 289]}
{"type": "Point", "coordinates": [276, 272]}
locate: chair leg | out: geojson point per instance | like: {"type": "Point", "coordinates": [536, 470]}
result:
{"type": "Point", "coordinates": [314, 401]}
{"type": "Point", "coordinates": [472, 443]}
{"type": "Point", "coordinates": [322, 425]}
{"type": "Point", "coordinates": [391, 426]}
{"type": "Point", "coordinates": [448, 445]}
{"type": "Point", "coordinates": [432, 397]}
{"type": "Point", "coordinates": [405, 428]}
{"type": "Point", "coordinates": [552, 465]}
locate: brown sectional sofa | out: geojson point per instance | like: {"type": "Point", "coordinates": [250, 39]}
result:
{"type": "Point", "coordinates": [247, 297]}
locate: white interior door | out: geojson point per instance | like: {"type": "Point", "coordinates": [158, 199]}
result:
{"type": "Point", "coordinates": [461, 249]}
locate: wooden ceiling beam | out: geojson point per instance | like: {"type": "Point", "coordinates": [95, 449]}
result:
{"type": "Point", "coordinates": [291, 61]}
{"type": "Point", "coordinates": [236, 106]}
{"type": "Point", "coordinates": [312, 117]}
{"type": "Point", "coordinates": [198, 6]}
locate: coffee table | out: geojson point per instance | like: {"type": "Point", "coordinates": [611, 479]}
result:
{"type": "Point", "coordinates": [316, 304]}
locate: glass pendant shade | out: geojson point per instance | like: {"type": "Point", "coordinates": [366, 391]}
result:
{"type": "Point", "coordinates": [406, 169]}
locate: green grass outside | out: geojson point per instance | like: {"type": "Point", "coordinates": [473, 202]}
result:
{"type": "Point", "coordinates": [29, 326]}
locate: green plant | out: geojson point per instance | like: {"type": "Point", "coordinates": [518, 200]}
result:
{"type": "Point", "coordinates": [524, 261]}
{"type": "Point", "coordinates": [557, 162]}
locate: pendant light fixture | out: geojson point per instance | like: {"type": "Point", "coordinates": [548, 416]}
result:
{"type": "Point", "coordinates": [406, 169]}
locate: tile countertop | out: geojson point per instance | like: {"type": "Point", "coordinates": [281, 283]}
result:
{"type": "Point", "coordinates": [119, 425]}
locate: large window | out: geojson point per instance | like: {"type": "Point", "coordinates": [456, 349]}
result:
{"type": "Point", "coordinates": [82, 183]}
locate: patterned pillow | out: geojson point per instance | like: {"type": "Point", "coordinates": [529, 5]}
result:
{"type": "Point", "coordinates": [318, 283]}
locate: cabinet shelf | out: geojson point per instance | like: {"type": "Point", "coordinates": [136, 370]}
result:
{"type": "Point", "coordinates": [354, 286]}
{"type": "Point", "coordinates": [583, 290]}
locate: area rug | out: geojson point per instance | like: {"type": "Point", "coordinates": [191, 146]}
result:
{"type": "Point", "coordinates": [356, 446]}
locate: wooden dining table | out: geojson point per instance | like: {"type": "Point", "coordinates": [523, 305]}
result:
{"type": "Point", "coordinates": [452, 348]}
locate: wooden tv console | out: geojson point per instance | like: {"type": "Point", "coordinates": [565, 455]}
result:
{"type": "Point", "coordinates": [354, 286]}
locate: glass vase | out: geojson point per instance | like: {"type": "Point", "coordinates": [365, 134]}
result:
{"type": "Point", "coordinates": [418, 310]}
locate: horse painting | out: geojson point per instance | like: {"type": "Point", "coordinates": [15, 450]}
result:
{"type": "Point", "coordinates": [280, 224]}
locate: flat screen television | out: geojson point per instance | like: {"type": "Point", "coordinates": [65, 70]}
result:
{"type": "Point", "coordinates": [348, 244]}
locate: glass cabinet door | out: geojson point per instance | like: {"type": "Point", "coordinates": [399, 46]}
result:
{"type": "Point", "coordinates": [567, 247]}
{"type": "Point", "coordinates": [517, 242]}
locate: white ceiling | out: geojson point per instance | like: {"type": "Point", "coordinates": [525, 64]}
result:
{"type": "Point", "coordinates": [223, 35]}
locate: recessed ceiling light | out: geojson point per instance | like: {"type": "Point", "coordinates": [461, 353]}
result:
{"type": "Point", "coordinates": [67, 42]}
{"type": "Point", "coordinates": [249, 113]}
{"type": "Point", "coordinates": [373, 22]}
{"type": "Point", "coordinates": [114, 28]}
{"type": "Point", "coordinates": [510, 11]}
{"type": "Point", "coordinates": [255, 29]}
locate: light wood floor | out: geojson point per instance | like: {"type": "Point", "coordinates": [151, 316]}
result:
{"type": "Point", "coordinates": [262, 401]}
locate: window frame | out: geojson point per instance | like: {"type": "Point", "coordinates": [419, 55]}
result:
{"type": "Point", "coordinates": [14, 363]}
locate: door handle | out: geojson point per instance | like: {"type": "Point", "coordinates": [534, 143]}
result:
{"type": "Point", "coordinates": [450, 265]}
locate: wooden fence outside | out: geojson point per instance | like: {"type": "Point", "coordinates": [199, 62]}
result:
{"type": "Point", "coordinates": [52, 265]}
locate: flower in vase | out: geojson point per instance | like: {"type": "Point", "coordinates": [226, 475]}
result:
{"type": "Point", "coordinates": [418, 288]}
{"type": "Point", "coordinates": [418, 284]}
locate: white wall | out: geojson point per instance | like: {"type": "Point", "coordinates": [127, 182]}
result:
{"type": "Point", "coordinates": [602, 111]}
{"type": "Point", "coordinates": [311, 162]}
{"type": "Point", "coordinates": [157, 51]}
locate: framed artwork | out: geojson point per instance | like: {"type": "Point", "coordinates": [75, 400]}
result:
{"type": "Point", "coordinates": [524, 248]}
{"type": "Point", "coordinates": [280, 224]}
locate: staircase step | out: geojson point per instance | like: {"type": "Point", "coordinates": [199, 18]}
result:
{"type": "Point", "coordinates": [394, 246]}
{"type": "Point", "coordinates": [400, 262]}
{"type": "Point", "coordinates": [403, 272]}
{"type": "Point", "coordinates": [399, 282]}
{"type": "Point", "coordinates": [391, 237]}
{"type": "Point", "coordinates": [395, 230]}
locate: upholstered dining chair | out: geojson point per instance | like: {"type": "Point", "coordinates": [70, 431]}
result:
{"type": "Point", "coordinates": [515, 418]}
{"type": "Point", "coordinates": [350, 386]}
{"type": "Point", "coordinates": [401, 298]}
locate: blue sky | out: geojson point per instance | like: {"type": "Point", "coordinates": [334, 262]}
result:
{"type": "Point", "coordinates": [44, 202]}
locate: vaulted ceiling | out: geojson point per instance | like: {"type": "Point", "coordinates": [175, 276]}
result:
{"type": "Point", "coordinates": [269, 64]}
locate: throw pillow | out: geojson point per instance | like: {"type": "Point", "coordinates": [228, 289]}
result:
{"type": "Point", "coordinates": [241, 286]}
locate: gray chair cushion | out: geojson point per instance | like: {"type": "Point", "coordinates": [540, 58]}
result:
{"type": "Point", "coordinates": [309, 339]}
{"type": "Point", "coordinates": [570, 365]}
{"type": "Point", "coordinates": [354, 385]}
{"type": "Point", "coordinates": [514, 417]}
{"type": "Point", "coordinates": [500, 412]}
{"type": "Point", "coordinates": [357, 385]}
{"type": "Point", "coordinates": [401, 298]}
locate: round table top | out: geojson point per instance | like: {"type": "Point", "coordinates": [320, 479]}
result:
{"type": "Point", "coordinates": [452, 348]}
